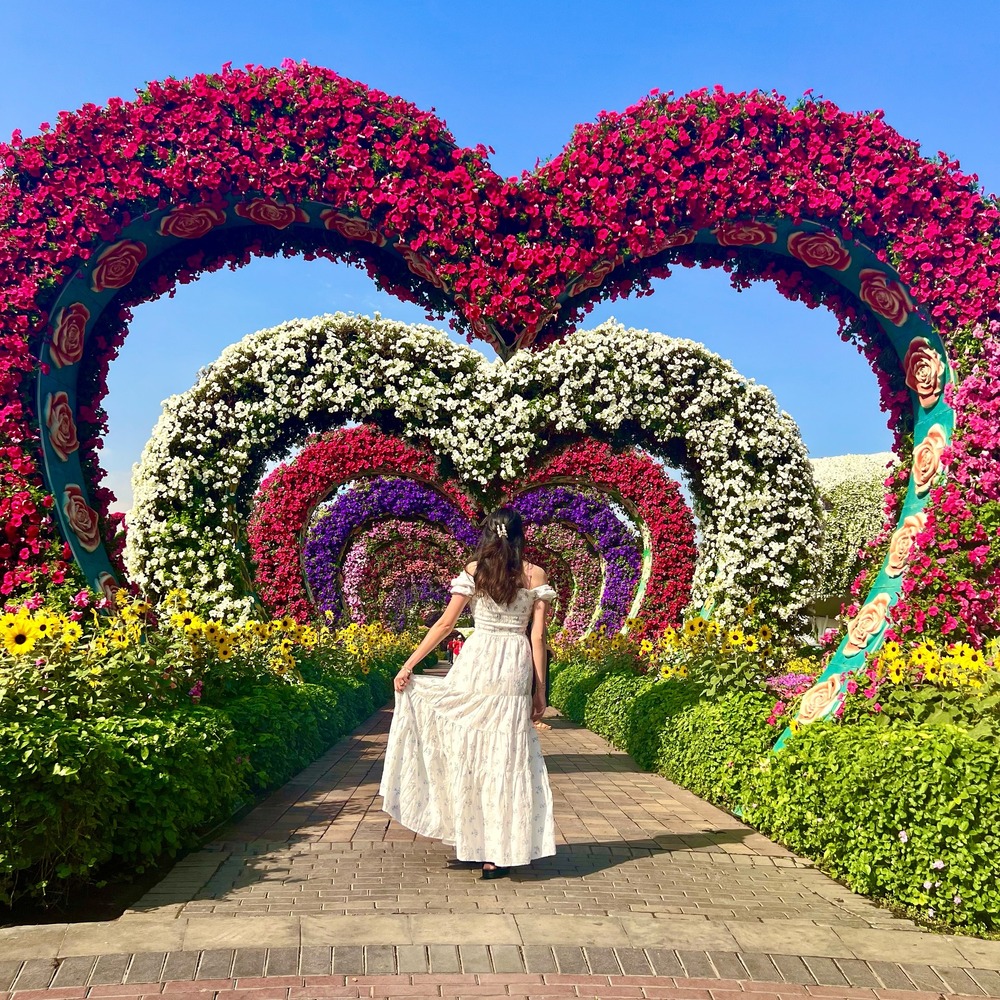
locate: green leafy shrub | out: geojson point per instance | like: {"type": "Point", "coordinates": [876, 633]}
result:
{"type": "Point", "coordinates": [79, 794]}
{"type": "Point", "coordinates": [608, 709]}
{"type": "Point", "coordinates": [711, 746]}
{"type": "Point", "coordinates": [906, 813]}
{"type": "Point", "coordinates": [280, 730]}
{"type": "Point", "coordinates": [564, 691]}
{"type": "Point", "coordinates": [74, 795]}
{"type": "Point", "coordinates": [648, 713]}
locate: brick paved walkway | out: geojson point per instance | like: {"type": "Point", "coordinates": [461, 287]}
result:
{"type": "Point", "coordinates": [653, 893]}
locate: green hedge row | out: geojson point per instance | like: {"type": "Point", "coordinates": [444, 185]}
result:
{"type": "Point", "coordinates": [907, 814]}
{"type": "Point", "coordinates": [78, 796]}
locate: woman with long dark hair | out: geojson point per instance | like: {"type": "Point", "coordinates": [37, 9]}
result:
{"type": "Point", "coordinates": [463, 763]}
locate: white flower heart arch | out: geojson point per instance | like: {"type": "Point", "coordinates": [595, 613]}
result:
{"type": "Point", "coordinates": [743, 458]}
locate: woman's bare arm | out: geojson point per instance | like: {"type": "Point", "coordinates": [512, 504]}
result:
{"type": "Point", "coordinates": [444, 626]}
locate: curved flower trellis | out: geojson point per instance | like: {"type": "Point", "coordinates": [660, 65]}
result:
{"type": "Point", "coordinates": [636, 480]}
{"type": "Point", "coordinates": [263, 394]}
{"type": "Point", "coordinates": [619, 549]}
{"type": "Point", "coordinates": [326, 544]}
{"type": "Point", "coordinates": [573, 567]}
{"type": "Point", "coordinates": [375, 550]}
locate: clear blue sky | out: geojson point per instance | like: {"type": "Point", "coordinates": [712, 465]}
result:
{"type": "Point", "coordinates": [517, 76]}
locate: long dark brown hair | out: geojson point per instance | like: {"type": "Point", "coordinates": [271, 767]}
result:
{"type": "Point", "coordinates": [499, 571]}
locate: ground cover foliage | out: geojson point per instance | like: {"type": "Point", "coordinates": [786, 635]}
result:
{"type": "Point", "coordinates": [898, 796]}
{"type": "Point", "coordinates": [126, 736]}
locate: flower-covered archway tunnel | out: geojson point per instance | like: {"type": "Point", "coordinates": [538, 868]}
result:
{"type": "Point", "coordinates": [116, 204]}
{"type": "Point", "coordinates": [474, 426]}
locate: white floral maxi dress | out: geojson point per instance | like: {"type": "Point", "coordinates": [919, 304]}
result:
{"type": "Point", "coordinates": [463, 763]}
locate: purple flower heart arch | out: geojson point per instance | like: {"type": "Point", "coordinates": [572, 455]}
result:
{"type": "Point", "coordinates": [115, 205]}
{"type": "Point", "coordinates": [573, 567]}
{"type": "Point", "coordinates": [632, 517]}
{"type": "Point", "coordinates": [618, 549]}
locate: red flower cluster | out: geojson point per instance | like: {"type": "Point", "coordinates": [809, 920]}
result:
{"type": "Point", "coordinates": [641, 485]}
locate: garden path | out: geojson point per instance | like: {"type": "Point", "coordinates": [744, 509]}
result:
{"type": "Point", "coordinates": [653, 892]}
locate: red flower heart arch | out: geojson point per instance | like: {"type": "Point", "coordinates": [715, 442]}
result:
{"type": "Point", "coordinates": [115, 205]}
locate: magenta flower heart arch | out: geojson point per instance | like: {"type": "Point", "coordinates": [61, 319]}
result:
{"type": "Point", "coordinates": [115, 205]}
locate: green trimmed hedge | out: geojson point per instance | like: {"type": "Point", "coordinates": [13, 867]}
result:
{"type": "Point", "coordinates": [889, 809]}
{"type": "Point", "coordinates": [711, 747]}
{"type": "Point", "coordinates": [905, 813]}
{"type": "Point", "coordinates": [79, 795]}
{"type": "Point", "coordinates": [76, 794]}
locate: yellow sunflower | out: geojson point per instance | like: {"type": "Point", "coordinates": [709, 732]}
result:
{"type": "Point", "coordinates": [72, 632]}
{"type": "Point", "coordinates": [45, 627]}
{"type": "Point", "coordinates": [19, 638]}
{"type": "Point", "coordinates": [119, 639]}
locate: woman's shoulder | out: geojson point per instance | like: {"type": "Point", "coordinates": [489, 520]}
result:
{"type": "Point", "coordinates": [535, 575]}
{"type": "Point", "coordinates": [470, 568]}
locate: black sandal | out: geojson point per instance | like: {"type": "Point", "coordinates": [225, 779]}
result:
{"type": "Point", "coordinates": [495, 872]}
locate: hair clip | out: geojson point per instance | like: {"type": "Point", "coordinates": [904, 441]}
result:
{"type": "Point", "coordinates": [501, 529]}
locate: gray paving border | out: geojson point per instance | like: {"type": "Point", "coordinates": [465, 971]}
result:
{"type": "Point", "coordinates": [211, 966]}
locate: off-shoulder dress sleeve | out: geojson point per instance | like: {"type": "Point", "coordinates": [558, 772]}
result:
{"type": "Point", "coordinates": [544, 593]}
{"type": "Point", "coordinates": [463, 584]}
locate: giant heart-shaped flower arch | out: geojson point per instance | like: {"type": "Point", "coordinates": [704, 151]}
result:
{"type": "Point", "coordinates": [114, 205]}
{"type": "Point", "coordinates": [479, 426]}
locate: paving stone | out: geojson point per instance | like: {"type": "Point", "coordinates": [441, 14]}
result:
{"type": "Point", "coordinates": [180, 965]}
{"type": "Point", "coordinates": [923, 977]}
{"type": "Point", "coordinates": [380, 960]}
{"type": "Point", "coordinates": [987, 980]}
{"type": "Point", "coordinates": [793, 969]}
{"type": "Point", "coordinates": [602, 961]}
{"type": "Point", "coordinates": [858, 973]}
{"type": "Point", "coordinates": [216, 963]}
{"type": "Point", "coordinates": [697, 964]}
{"type": "Point", "coordinates": [249, 963]}
{"type": "Point", "coordinates": [475, 958]}
{"type": "Point", "coordinates": [73, 971]}
{"type": "Point", "coordinates": [538, 958]}
{"type": "Point", "coordinates": [412, 959]}
{"type": "Point", "coordinates": [633, 962]}
{"type": "Point", "coordinates": [348, 960]}
{"type": "Point", "coordinates": [571, 961]}
{"type": "Point", "coordinates": [891, 975]}
{"type": "Point", "coordinates": [665, 962]}
{"type": "Point", "coordinates": [36, 974]}
{"type": "Point", "coordinates": [825, 971]}
{"type": "Point", "coordinates": [285, 962]}
{"type": "Point", "coordinates": [443, 959]}
{"type": "Point", "coordinates": [728, 965]}
{"type": "Point", "coordinates": [958, 980]}
{"type": "Point", "coordinates": [145, 967]}
{"type": "Point", "coordinates": [9, 968]}
{"type": "Point", "coordinates": [506, 958]}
